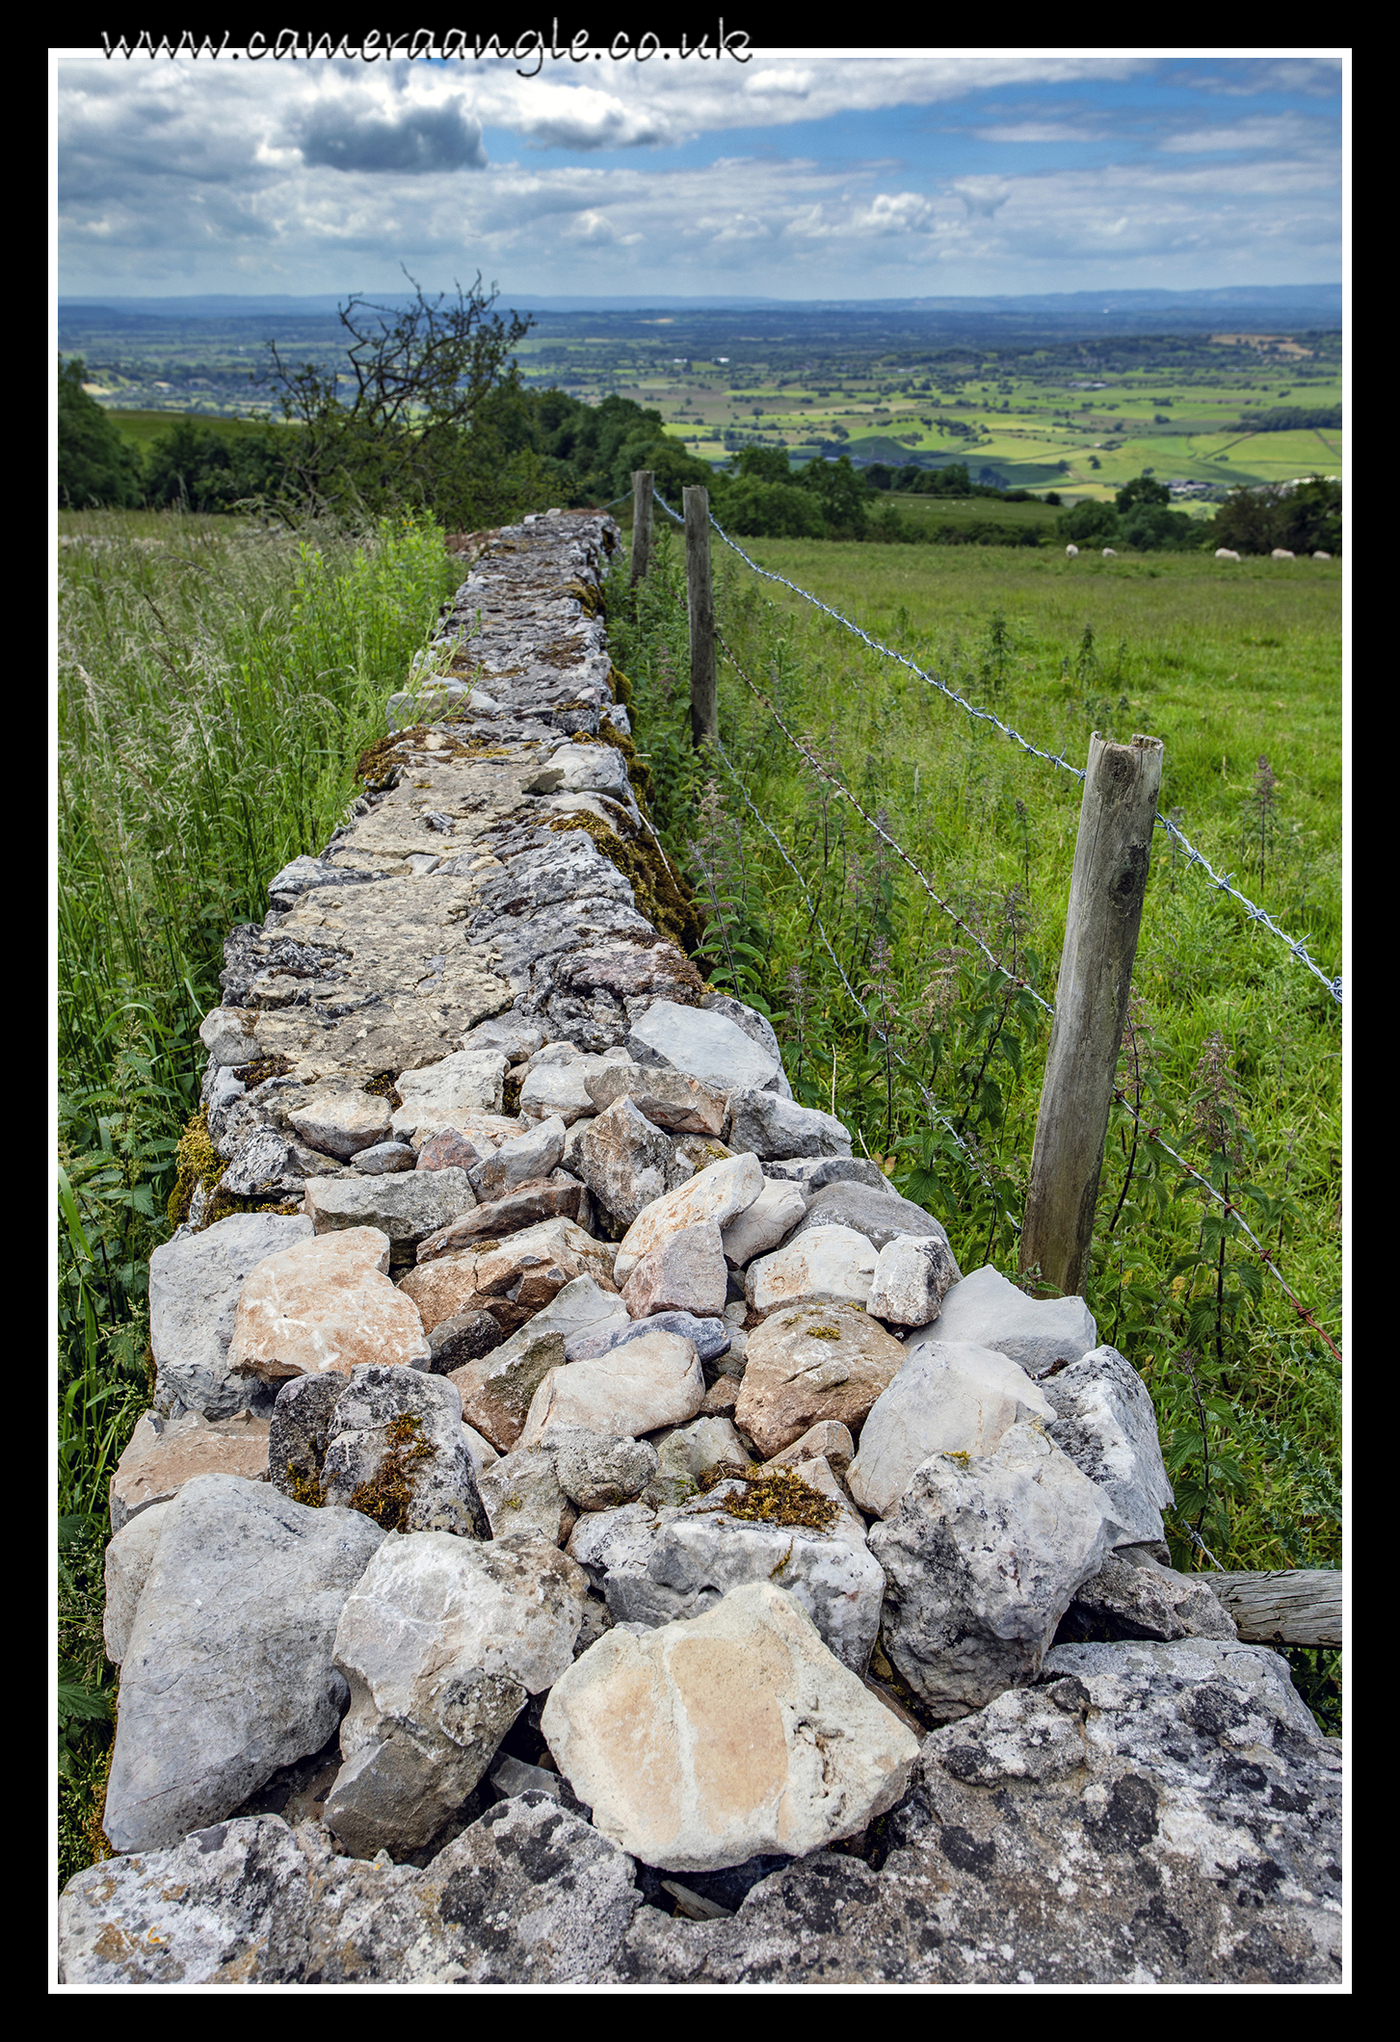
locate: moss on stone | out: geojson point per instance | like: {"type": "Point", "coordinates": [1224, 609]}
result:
{"type": "Point", "coordinates": [386, 1496]}
{"type": "Point", "coordinates": [774, 1495]}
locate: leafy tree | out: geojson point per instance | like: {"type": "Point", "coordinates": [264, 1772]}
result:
{"type": "Point", "coordinates": [95, 464]}
{"type": "Point", "coordinates": [431, 412]}
{"type": "Point", "coordinates": [1089, 521]}
{"type": "Point", "coordinates": [1143, 488]}
{"type": "Point", "coordinates": [207, 470]}
{"type": "Point", "coordinates": [1305, 517]}
{"type": "Point", "coordinates": [763, 464]}
{"type": "Point", "coordinates": [1153, 527]}
{"type": "Point", "coordinates": [842, 494]}
{"type": "Point", "coordinates": [769, 510]}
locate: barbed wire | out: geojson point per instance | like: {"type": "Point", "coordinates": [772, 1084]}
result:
{"type": "Point", "coordinates": [880, 831]}
{"type": "Point", "coordinates": [1174, 831]}
{"type": "Point", "coordinates": [1153, 1133]}
{"type": "Point", "coordinates": [852, 994]}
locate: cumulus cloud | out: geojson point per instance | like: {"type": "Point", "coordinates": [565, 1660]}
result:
{"type": "Point", "coordinates": [323, 175]}
{"type": "Point", "coordinates": [424, 138]}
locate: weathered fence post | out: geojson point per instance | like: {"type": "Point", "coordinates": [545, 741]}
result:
{"type": "Point", "coordinates": [641, 523]}
{"type": "Point", "coordinates": [704, 701]}
{"type": "Point", "coordinates": [1091, 1006]}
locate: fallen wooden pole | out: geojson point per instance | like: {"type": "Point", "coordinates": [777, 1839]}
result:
{"type": "Point", "coordinates": [1290, 1606]}
{"type": "Point", "coordinates": [1091, 1006]}
{"type": "Point", "coordinates": [704, 698]}
{"type": "Point", "coordinates": [642, 479]}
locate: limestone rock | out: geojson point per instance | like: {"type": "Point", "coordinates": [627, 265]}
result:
{"type": "Point", "coordinates": [683, 1272]}
{"type": "Point", "coordinates": [720, 1193]}
{"type": "Point", "coordinates": [559, 1087]}
{"type": "Point", "coordinates": [512, 1034]}
{"type": "Point", "coordinates": [468, 1081]}
{"type": "Point", "coordinates": [946, 1399]}
{"type": "Point", "coordinates": [690, 1560]}
{"type": "Point", "coordinates": [448, 1149]}
{"type": "Point", "coordinates": [227, 1673]}
{"type": "Point", "coordinates": [326, 1303]}
{"type": "Point", "coordinates": [882, 1216]}
{"type": "Point", "coordinates": [982, 1558]}
{"type": "Point", "coordinates": [497, 1391]}
{"type": "Point", "coordinates": [765, 1224]}
{"type": "Point", "coordinates": [386, 1159]}
{"type": "Point", "coordinates": [762, 1124]}
{"type": "Point", "coordinates": [701, 1743]}
{"type": "Point", "coordinates": [467, 1336]}
{"type": "Point", "coordinates": [165, 1453]}
{"type": "Point", "coordinates": [525, 1271]}
{"type": "Point", "coordinates": [523, 1498]}
{"type": "Point", "coordinates": [833, 1264]}
{"type": "Point", "coordinates": [703, 1045]}
{"type": "Point", "coordinates": [1133, 1596]}
{"type": "Point", "coordinates": [597, 1472]}
{"type": "Point", "coordinates": [814, 1173]}
{"type": "Point", "coordinates": [395, 1451]}
{"type": "Point", "coordinates": [623, 1159]}
{"type": "Point", "coordinates": [604, 1539]}
{"type": "Point", "coordinates": [912, 1276]}
{"type": "Point", "coordinates": [558, 1197]}
{"type": "Point", "coordinates": [1105, 1422]}
{"type": "Point", "coordinates": [407, 1206]}
{"type": "Point", "coordinates": [195, 1286]}
{"type": "Point", "coordinates": [812, 1363]}
{"type": "Point", "coordinates": [669, 1099]}
{"type": "Point", "coordinates": [440, 1642]}
{"type": "Point", "coordinates": [756, 1026]}
{"type": "Point", "coordinates": [637, 1388]}
{"type": "Point", "coordinates": [1137, 1819]}
{"type": "Point", "coordinates": [985, 1310]}
{"type": "Point", "coordinates": [829, 1441]}
{"type": "Point", "coordinates": [339, 1122]}
{"type": "Point", "coordinates": [522, 1160]}
{"type": "Point", "coordinates": [711, 1337]}
{"type": "Point", "coordinates": [300, 1433]}
{"type": "Point", "coordinates": [125, 1566]}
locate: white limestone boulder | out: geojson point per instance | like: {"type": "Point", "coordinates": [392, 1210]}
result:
{"type": "Point", "coordinates": [326, 1303]}
{"type": "Point", "coordinates": [829, 1264]}
{"type": "Point", "coordinates": [987, 1310]}
{"type": "Point", "coordinates": [441, 1642]}
{"type": "Point", "coordinates": [945, 1400]}
{"type": "Point", "coordinates": [719, 1192]}
{"type": "Point", "coordinates": [982, 1558]}
{"type": "Point", "coordinates": [701, 1744]}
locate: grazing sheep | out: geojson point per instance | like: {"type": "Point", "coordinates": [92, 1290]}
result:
{"type": "Point", "coordinates": [1109, 554]}
{"type": "Point", "coordinates": [1322, 556]}
{"type": "Point", "coordinates": [1071, 552]}
{"type": "Point", "coordinates": [1224, 553]}
{"type": "Point", "coordinates": [1282, 553]}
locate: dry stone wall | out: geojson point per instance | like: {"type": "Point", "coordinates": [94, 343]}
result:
{"type": "Point", "coordinates": [589, 1529]}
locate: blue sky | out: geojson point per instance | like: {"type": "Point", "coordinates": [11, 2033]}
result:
{"type": "Point", "coordinates": [795, 175]}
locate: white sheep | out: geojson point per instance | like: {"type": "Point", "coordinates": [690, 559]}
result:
{"type": "Point", "coordinates": [1109, 554]}
{"type": "Point", "coordinates": [1224, 553]}
{"type": "Point", "coordinates": [1282, 553]}
{"type": "Point", "coordinates": [1071, 552]}
{"type": "Point", "coordinates": [1322, 556]}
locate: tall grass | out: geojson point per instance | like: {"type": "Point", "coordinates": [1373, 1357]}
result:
{"type": "Point", "coordinates": [217, 684]}
{"type": "Point", "coordinates": [1233, 1050]}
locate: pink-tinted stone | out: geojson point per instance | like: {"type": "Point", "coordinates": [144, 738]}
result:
{"type": "Point", "coordinates": [684, 1272]}
{"type": "Point", "coordinates": [448, 1149]}
{"type": "Point", "coordinates": [325, 1304]}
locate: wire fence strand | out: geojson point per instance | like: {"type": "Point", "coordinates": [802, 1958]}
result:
{"type": "Point", "coordinates": [1221, 882]}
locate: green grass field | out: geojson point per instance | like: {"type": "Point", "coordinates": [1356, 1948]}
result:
{"type": "Point", "coordinates": [1235, 1051]}
{"type": "Point", "coordinates": [216, 684]}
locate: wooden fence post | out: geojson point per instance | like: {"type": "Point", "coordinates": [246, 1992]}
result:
{"type": "Point", "coordinates": [704, 700]}
{"type": "Point", "coordinates": [641, 524]}
{"type": "Point", "coordinates": [1091, 1006]}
